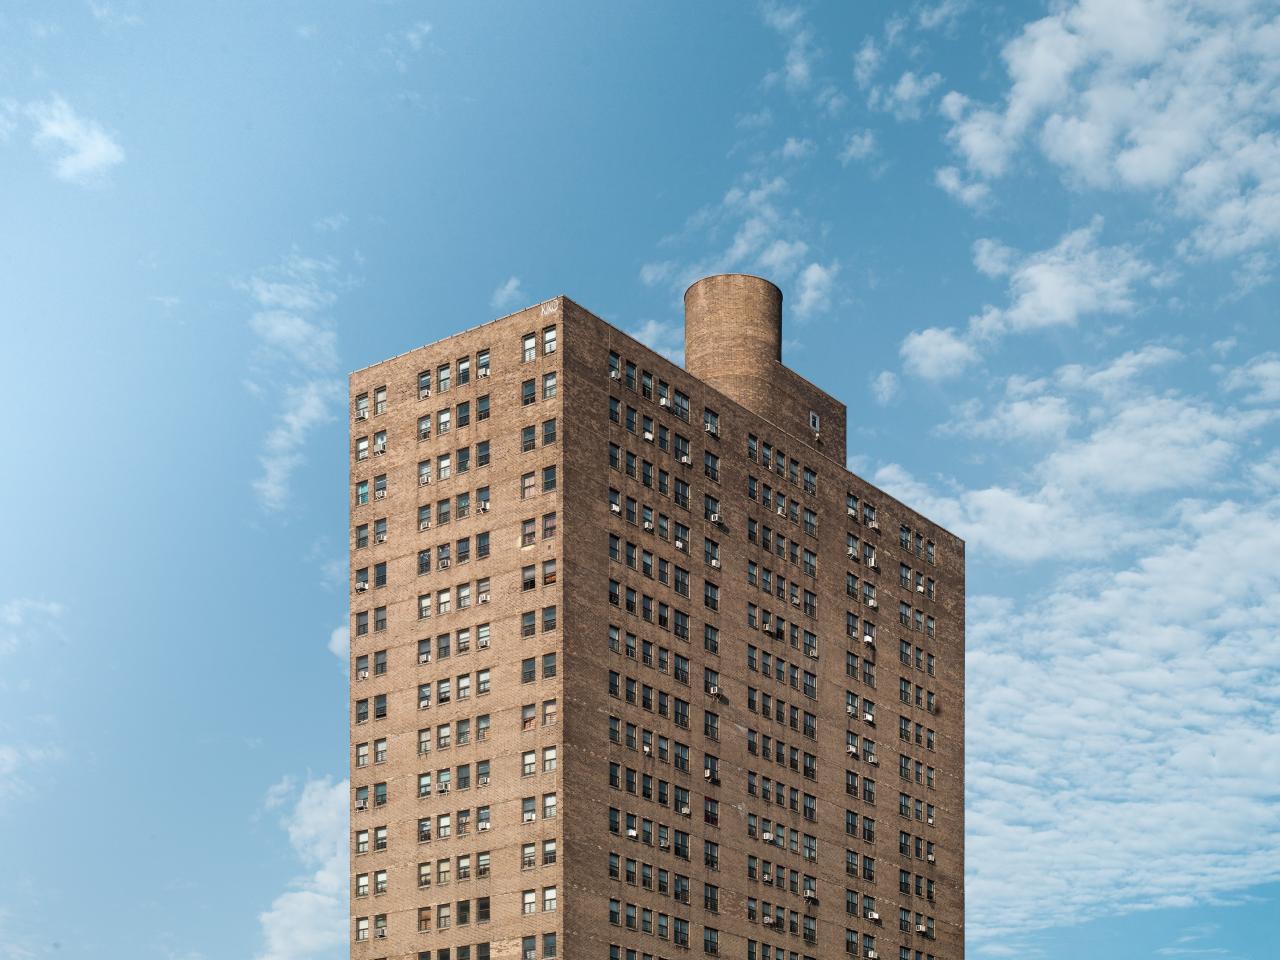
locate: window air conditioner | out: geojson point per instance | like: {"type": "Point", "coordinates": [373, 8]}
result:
{"type": "Point", "coordinates": [920, 588]}
{"type": "Point", "coordinates": [851, 750]}
{"type": "Point", "coordinates": [929, 821]}
{"type": "Point", "coordinates": [714, 690]}
{"type": "Point", "coordinates": [872, 955]}
{"type": "Point", "coordinates": [483, 825]}
{"type": "Point", "coordinates": [873, 760]}
{"type": "Point", "coordinates": [483, 507]}
{"type": "Point", "coordinates": [684, 811]}
{"type": "Point", "coordinates": [483, 598]}
{"type": "Point", "coordinates": [664, 401]}
{"type": "Point", "coordinates": [679, 544]}
{"type": "Point", "coordinates": [615, 508]}
{"type": "Point", "coordinates": [648, 435]}
{"type": "Point", "coordinates": [361, 586]}
{"type": "Point", "coordinates": [424, 393]}
{"type": "Point", "coordinates": [424, 658]}
{"type": "Point", "coordinates": [931, 858]}
{"type": "Point", "coordinates": [711, 428]}
{"type": "Point", "coordinates": [647, 749]}
{"type": "Point", "coordinates": [424, 525]}
{"type": "Point", "coordinates": [921, 928]}
{"type": "Point", "coordinates": [379, 494]}
{"type": "Point", "coordinates": [706, 774]}
{"type": "Point", "coordinates": [633, 833]}
{"type": "Point", "coordinates": [685, 459]}
{"type": "Point", "coordinates": [873, 916]}
{"type": "Point", "coordinates": [423, 479]}
{"type": "Point", "coordinates": [482, 372]}
{"type": "Point", "coordinates": [529, 817]}
{"type": "Point", "coordinates": [767, 921]}
{"type": "Point", "coordinates": [870, 718]}
{"type": "Point", "coordinates": [782, 511]}
{"type": "Point", "coordinates": [362, 675]}
{"type": "Point", "coordinates": [874, 525]}
{"type": "Point", "coordinates": [715, 563]}
{"type": "Point", "coordinates": [714, 518]}
{"type": "Point", "coordinates": [869, 640]}
{"type": "Point", "coordinates": [767, 837]}
{"type": "Point", "coordinates": [379, 538]}
{"type": "Point", "coordinates": [648, 524]}
{"type": "Point", "coordinates": [484, 782]}
{"type": "Point", "coordinates": [362, 414]}
{"type": "Point", "coordinates": [443, 564]}
{"type": "Point", "coordinates": [615, 374]}
{"type": "Point", "coordinates": [850, 711]}
{"type": "Point", "coordinates": [872, 602]}
{"type": "Point", "coordinates": [852, 554]}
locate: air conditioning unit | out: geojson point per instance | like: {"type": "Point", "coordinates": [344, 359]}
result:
{"type": "Point", "coordinates": [483, 825]}
{"type": "Point", "coordinates": [852, 554]}
{"type": "Point", "coordinates": [706, 774]}
{"type": "Point", "coordinates": [931, 858]}
{"type": "Point", "coordinates": [929, 820]}
{"type": "Point", "coordinates": [615, 508]}
{"type": "Point", "coordinates": [714, 690]}
{"type": "Point", "coordinates": [685, 459]}
{"type": "Point", "coordinates": [872, 602]}
{"type": "Point", "coordinates": [647, 749]}
{"type": "Point", "coordinates": [850, 711]}
{"type": "Point", "coordinates": [715, 563]}
{"type": "Point", "coordinates": [664, 401]}
{"type": "Point", "coordinates": [811, 654]}
{"type": "Point", "coordinates": [483, 643]}
{"type": "Point", "coordinates": [379, 538]}
{"type": "Point", "coordinates": [482, 507]}
{"type": "Point", "coordinates": [633, 833]}
{"type": "Point", "coordinates": [810, 896]}
{"type": "Point", "coordinates": [921, 928]}
{"type": "Point", "coordinates": [782, 511]}
{"type": "Point", "coordinates": [714, 518]}
{"type": "Point", "coordinates": [679, 544]}
{"type": "Point", "coordinates": [648, 435]}
{"type": "Point", "coordinates": [362, 674]}
{"type": "Point", "coordinates": [851, 750]}
{"type": "Point", "coordinates": [380, 933]}
{"type": "Point", "coordinates": [851, 512]}
{"type": "Point", "coordinates": [795, 601]}
{"type": "Point", "coordinates": [873, 916]}
{"type": "Point", "coordinates": [766, 876]}
{"type": "Point", "coordinates": [767, 837]}
{"type": "Point", "coordinates": [920, 588]}
{"type": "Point", "coordinates": [443, 788]}
{"type": "Point", "coordinates": [530, 817]}
{"type": "Point", "coordinates": [362, 414]}
{"type": "Point", "coordinates": [482, 373]}
{"type": "Point", "coordinates": [873, 760]}
{"type": "Point", "coordinates": [648, 524]}
{"type": "Point", "coordinates": [869, 640]}
{"type": "Point", "coordinates": [484, 782]}
{"type": "Point", "coordinates": [684, 811]}
{"type": "Point", "coordinates": [423, 479]}
{"type": "Point", "coordinates": [615, 374]}
{"type": "Point", "coordinates": [664, 844]}
{"type": "Point", "coordinates": [424, 393]}
{"type": "Point", "coordinates": [379, 494]}
{"type": "Point", "coordinates": [870, 718]}
{"type": "Point", "coordinates": [424, 658]}
{"type": "Point", "coordinates": [442, 564]}
{"type": "Point", "coordinates": [712, 429]}
{"type": "Point", "coordinates": [767, 921]}
{"type": "Point", "coordinates": [362, 804]}
{"type": "Point", "coordinates": [424, 525]}
{"type": "Point", "coordinates": [361, 586]}
{"type": "Point", "coordinates": [379, 449]}
{"type": "Point", "coordinates": [872, 955]}
{"type": "Point", "coordinates": [873, 524]}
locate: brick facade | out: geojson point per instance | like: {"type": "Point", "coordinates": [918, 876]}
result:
{"type": "Point", "coordinates": [598, 734]}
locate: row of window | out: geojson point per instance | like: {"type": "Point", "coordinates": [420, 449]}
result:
{"type": "Point", "coordinates": [650, 833]}
{"type": "Point", "coordinates": [784, 755]}
{"type": "Point", "coordinates": [778, 710]}
{"type": "Point", "coordinates": [773, 458]}
{"type": "Point", "coordinates": [447, 418]}
{"type": "Point", "coordinates": [652, 388]}
{"type": "Point", "coordinates": [651, 744]}
{"type": "Point", "coordinates": [657, 878]}
{"type": "Point", "coordinates": [649, 609]}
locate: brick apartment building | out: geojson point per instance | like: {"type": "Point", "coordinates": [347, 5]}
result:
{"type": "Point", "coordinates": [639, 669]}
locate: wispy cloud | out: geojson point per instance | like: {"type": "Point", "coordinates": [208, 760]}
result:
{"type": "Point", "coordinates": [1174, 98]}
{"type": "Point", "coordinates": [1077, 277]}
{"type": "Point", "coordinates": [858, 145]}
{"type": "Point", "coordinates": [884, 387]}
{"type": "Point", "coordinates": [23, 620]}
{"type": "Point", "coordinates": [82, 151]}
{"type": "Point", "coordinates": [310, 918]}
{"type": "Point", "coordinates": [297, 349]}
{"type": "Point", "coordinates": [508, 294]}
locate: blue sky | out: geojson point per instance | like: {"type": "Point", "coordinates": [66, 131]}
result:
{"type": "Point", "coordinates": [1032, 246]}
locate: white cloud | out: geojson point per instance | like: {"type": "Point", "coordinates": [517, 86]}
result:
{"type": "Point", "coordinates": [113, 15]}
{"type": "Point", "coordinates": [941, 14]}
{"type": "Point", "coordinates": [789, 23]}
{"type": "Point", "coordinates": [1045, 417]}
{"type": "Point", "coordinates": [884, 387]}
{"type": "Point", "coordinates": [814, 289]}
{"type": "Point", "coordinates": [82, 150]}
{"type": "Point", "coordinates": [652, 274]}
{"type": "Point", "coordinates": [904, 98]}
{"type": "Point", "coordinates": [23, 621]}
{"type": "Point", "coordinates": [866, 62]}
{"type": "Point", "coordinates": [330, 224]}
{"type": "Point", "coordinates": [971, 193]}
{"type": "Point", "coordinates": [936, 353]}
{"type": "Point", "coordinates": [1116, 698]}
{"type": "Point", "coordinates": [1259, 379]}
{"type": "Point", "coordinates": [340, 642]}
{"type": "Point", "coordinates": [798, 148]}
{"type": "Point", "coordinates": [664, 337]}
{"type": "Point", "coordinates": [310, 918]}
{"type": "Point", "coordinates": [859, 145]}
{"type": "Point", "coordinates": [508, 294]}
{"type": "Point", "coordinates": [416, 35]}
{"type": "Point", "coordinates": [297, 348]}
{"type": "Point", "coordinates": [1177, 97]}
{"type": "Point", "coordinates": [782, 257]}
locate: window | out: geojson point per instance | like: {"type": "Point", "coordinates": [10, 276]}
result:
{"type": "Point", "coordinates": [528, 392]}
{"type": "Point", "coordinates": [548, 479]}
{"type": "Point", "coordinates": [529, 347]}
{"type": "Point", "coordinates": [815, 422]}
{"type": "Point", "coordinates": [548, 386]}
{"type": "Point", "coordinates": [549, 340]}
